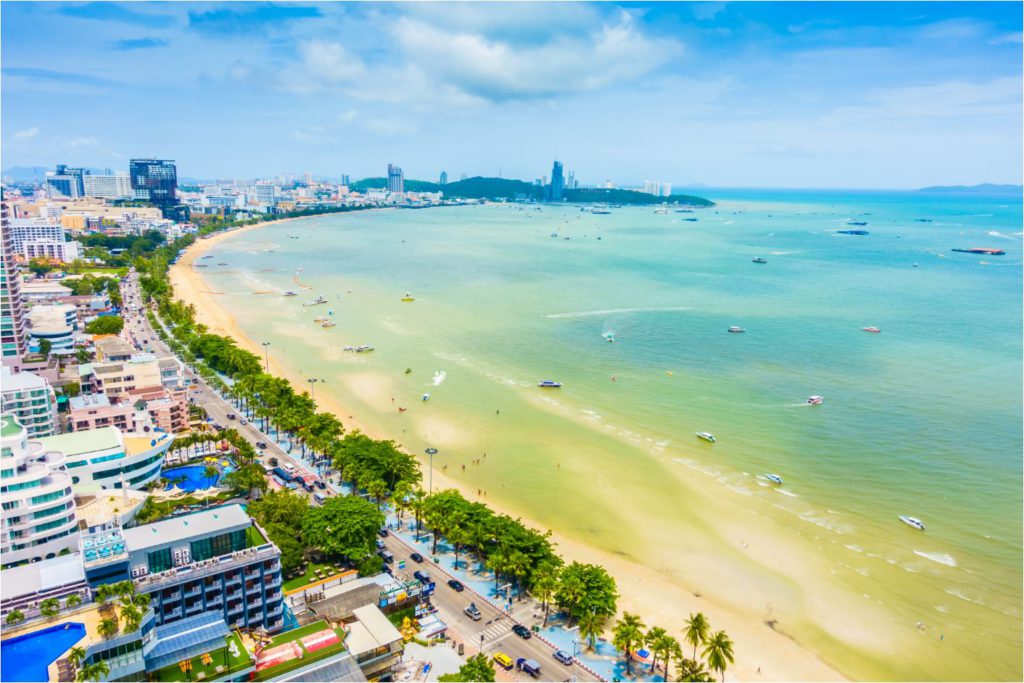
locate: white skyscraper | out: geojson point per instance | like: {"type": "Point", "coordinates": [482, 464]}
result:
{"type": "Point", "coordinates": [117, 186]}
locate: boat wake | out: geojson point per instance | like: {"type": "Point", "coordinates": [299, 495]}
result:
{"type": "Point", "coordinates": [611, 311]}
{"type": "Point", "coordinates": [941, 558]}
{"type": "Point", "coordinates": [439, 377]}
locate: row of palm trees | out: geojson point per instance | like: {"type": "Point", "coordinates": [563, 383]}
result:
{"type": "Point", "coordinates": [48, 608]}
{"type": "Point", "coordinates": [630, 634]}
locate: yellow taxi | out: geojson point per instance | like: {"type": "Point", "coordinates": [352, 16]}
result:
{"type": "Point", "coordinates": [503, 660]}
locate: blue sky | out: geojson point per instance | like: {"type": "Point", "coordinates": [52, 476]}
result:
{"type": "Point", "coordinates": [882, 95]}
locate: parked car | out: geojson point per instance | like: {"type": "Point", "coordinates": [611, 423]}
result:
{"type": "Point", "coordinates": [231, 416]}
{"type": "Point", "coordinates": [383, 532]}
{"type": "Point", "coordinates": [416, 557]}
{"type": "Point", "coordinates": [243, 421]}
{"type": "Point", "coordinates": [261, 444]}
{"type": "Point", "coordinates": [522, 631]}
{"type": "Point", "coordinates": [272, 461]}
{"type": "Point", "coordinates": [503, 660]}
{"type": "Point", "coordinates": [564, 657]}
{"type": "Point", "coordinates": [380, 544]}
{"type": "Point", "coordinates": [472, 612]}
{"type": "Point", "coordinates": [421, 576]}
{"type": "Point", "coordinates": [456, 585]}
{"type": "Point", "coordinates": [320, 484]}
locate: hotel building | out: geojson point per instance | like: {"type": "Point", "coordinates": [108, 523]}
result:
{"type": "Point", "coordinates": [30, 398]}
{"type": "Point", "coordinates": [108, 459]}
{"type": "Point", "coordinates": [12, 307]}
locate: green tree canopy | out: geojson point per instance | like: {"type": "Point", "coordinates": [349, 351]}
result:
{"type": "Point", "coordinates": [105, 324]}
{"type": "Point", "coordinates": [477, 668]}
{"type": "Point", "coordinates": [586, 588]}
{"type": "Point", "coordinates": [343, 526]}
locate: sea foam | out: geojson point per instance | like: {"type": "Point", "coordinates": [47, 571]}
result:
{"type": "Point", "coordinates": [941, 558]}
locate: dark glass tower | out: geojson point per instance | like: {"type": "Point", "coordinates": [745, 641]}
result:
{"type": "Point", "coordinates": [557, 183]}
{"type": "Point", "coordinates": [396, 181]}
{"type": "Point", "coordinates": [155, 180]}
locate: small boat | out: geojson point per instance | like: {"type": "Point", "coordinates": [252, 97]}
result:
{"type": "Point", "coordinates": [856, 222]}
{"type": "Point", "coordinates": [684, 210]}
{"type": "Point", "coordinates": [363, 349]}
{"type": "Point", "coordinates": [408, 297]}
{"type": "Point", "coordinates": [774, 478]}
{"type": "Point", "coordinates": [320, 319]}
{"type": "Point", "coordinates": [425, 397]}
{"type": "Point", "coordinates": [290, 293]}
{"type": "Point", "coordinates": [328, 323]}
{"type": "Point", "coordinates": [759, 259]}
{"type": "Point", "coordinates": [554, 234]}
{"type": "Point", "coordinates": [912, 521]}
{"type": "Point", "coordinates": [691, 220]}
{"type": "Point", "coordinates": [815, 400]}
{"type": "Point", "coordinates": [852, 232]}
{"type": "Point", "coordinates": [661, 210]}
{"type": "Point", "coordinates": [349, 348]}
{"type": "Point", "coordinates": [549, 384]}
{"type": "Point", "coordinates": [608, 336]}
{"type": "Point", "coordinates": [735, 329]}
{"type": "Point", "coordinates": [599, 212]}
{"type": "Point", "coordinates": [872, 330]}
{"type": "Point", "coordinates": [706, 436]}
{"type": "Point", "coordinates": [221, 263]}
{"type": "Point", "coordinates": [316, 301]}
{"type": "Point", "coordinates": [982, 250]}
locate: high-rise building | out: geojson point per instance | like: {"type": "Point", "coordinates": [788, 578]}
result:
{"type": "Point", "coordinates": [344, 179]}
{"type": "Point", "coordinates": [110, 186]}
{"type": "Point", "coordinates": [396, 181]}
{"type": "Point", "coordinates": [666, 189]}
{"type": "Point", "coordinates": [309, 178]}
{"type": "Point", "coordinates": [444, 177]}
{"type": "Point", "coordinates": [38, 514]}
{"type": "Point", "coordinates": [265, 193]}
{"type": "Point", "coordinates": [557, 183]}
{"type": "Point", "coordinates": [155, 180]}
{"type": "Point", "coordinates": [12, 307]}
{"type": "Point", "coordinates": [570, 182]}
{"type": "Point", "coordinates": [30, 398]}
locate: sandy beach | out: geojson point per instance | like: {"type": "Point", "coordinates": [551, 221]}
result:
{"type": "Point", "coordinates": [659, 598]}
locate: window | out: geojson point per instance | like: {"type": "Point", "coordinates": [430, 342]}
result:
{"type": "Point", "coordinates": [47, 497]}
{"type": "Point", "coordinates": [159, 560]}
{"type": "Point", "coordinates": [202, 550]}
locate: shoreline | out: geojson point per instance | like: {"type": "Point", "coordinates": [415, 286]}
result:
{"type": "Point", "coordinates": [761, 651]}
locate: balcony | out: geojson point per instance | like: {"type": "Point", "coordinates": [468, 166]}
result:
{"type": "Point", "coordinates": [235, 608]}
{"type": "Point", "coordinates": [254, 602]}
{"type": "Point", "coordinates": [172, 614]}
{"type": "Point", "coordinates": [194, 607]}
{"type": "Point", "coordinates": [274, 582]}
{"type": "Point", "coordinates": [170, 596]}
{"type": "Point", "coordinates": [215, 601]}
{"type": "Point", "coordinates": [276, 610]}
{"type": "Point", "coordinates": [252, 575]}
{"type": "Point", "coordinates": [235, 594]}
{"type": "Point", "coordinates": [194, 590]}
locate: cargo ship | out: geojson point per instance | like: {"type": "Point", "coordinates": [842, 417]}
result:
{"type": "Point", "coordinates": [982, 250]}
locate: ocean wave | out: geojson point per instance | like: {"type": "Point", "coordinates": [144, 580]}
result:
{"type": "Point", "coordinates": [787, 493]}
{"type": "Point", "coordinates": [824, 523]}
{"type": "Point", "coordinates": [854, 548]}
{"type": "Point", "coordinates": [612, 311]}
{"type": "Point", "coordinates": [941, 558]}
{"type": "Point", "coordinates": [439, 377]}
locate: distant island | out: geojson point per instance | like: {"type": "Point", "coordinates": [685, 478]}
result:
{"type": "Point", "coordinates": [505, 188]}
{"type": "Point", "coordinates": [983, 188]}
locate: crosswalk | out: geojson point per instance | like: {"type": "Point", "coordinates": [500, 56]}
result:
{"type": "Point", "coordinates": [497, 629]}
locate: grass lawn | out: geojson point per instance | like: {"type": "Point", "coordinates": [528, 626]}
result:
{"type": "Point", "coordinates": [309, 657]}
{"type": "Point", "coordinates": [173, 672]}
{"type": "Point", "coordinates": [309, 576]}
{"type": "Point", "coordinates": [253, 537]}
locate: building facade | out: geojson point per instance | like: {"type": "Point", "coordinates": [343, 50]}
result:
{"type": "Point", "coordinates": [117, 186]}
{"type": "Point", "coordinates": [38, 513]}
{"type": "Point", "coordinates": [214, 561]}
{"type": "Point", "coordinates": [154, 180]}
{"type": "Point", "coordinates": [396, 179]}
{"type": "Point", "coordinates": [107, 458]}
{"type": "Point", "coordinates": [557, 182]}
{"type": "Point", "coordinates": [29, 398]}
{"type": "Point", "coordinates": [12, 307]}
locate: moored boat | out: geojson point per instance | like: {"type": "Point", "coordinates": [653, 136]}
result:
{"type": "Point", "coordinates": [316, 301]}
{"type": "Point", "coordinates": [852, 232]}
{"type": "Point", "coordinates": [706, 436]}
{"type": "Point", "coordinates": [987, 251]}
{"type": "Point", "coordinates": [549, 384]}
{"type": "Point", "coordinates": [408, 297]}
{"type": "Point", "coordinates": [736, 329]}
{"type": "Point", "coordinates": [759, 259]}
{"type": "Point", "coordinates": [815, 400]}
{"type": "Point", "coordinates": [328, 323]}
{"type": "Point", "coordinates": [290, 293]}
{"type": "Point", "coordinates": [872, 330]}
{"type": "Point", "coordinates": [774, 478]}
{"type": "Point", "coordinates": [425, 397]}
{"type": "Point", "coordinates": [912, 521]}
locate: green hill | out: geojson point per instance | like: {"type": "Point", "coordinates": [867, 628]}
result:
{"type": "Point", "coordinates": [505, 188]}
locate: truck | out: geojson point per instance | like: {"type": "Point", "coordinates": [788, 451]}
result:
{"type": "Point", "coordinates": [283, 474]}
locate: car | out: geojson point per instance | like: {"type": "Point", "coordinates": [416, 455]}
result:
{"type": "Point", "coordinates": [421, 576]}
{"type": "Point", "coordinates": [416, 557]}
{"type": "Point", "coordinates": [503, 660]}
{"type": "Point", "coordinates": [456, 585]}
{"type": "Point", "coordinates": [472, 612]}
{"type": "Point", "coordinates": [272, 461]}
{"type": "Point", "coordinates": [243, 421]}
{"type": "Point", "coordinates": [522, 631]}
{"type": "Point", "coordinates": [231, 416]}
{"type": "Point", "coordinates": [564, 657]}
{"type": "Point", "coordinates": [529, 666]}
{"type": "Point", "coordinates": [320, 484]}
{"type": "Point", "coordinates": [380, 544]}
{"type": "Point", "coordinates": [262, 444]}
{"type": "Point", "coordinates": [382, 532]}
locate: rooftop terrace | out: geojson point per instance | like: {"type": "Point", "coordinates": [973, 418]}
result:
{"type": "Point", "coordinates": [311, 643]}
{"type": "Point", "coordinates": [217, 663]}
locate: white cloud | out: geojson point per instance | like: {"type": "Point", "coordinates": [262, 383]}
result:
{"type": "Point", "coordinates": [28, 134]}
{"type": "Point", "coordinates": [331, 62]}
{"type": "Point", "coordinates": [84, 142]}
{"type": "Point", "coordinates": [1007, 38]}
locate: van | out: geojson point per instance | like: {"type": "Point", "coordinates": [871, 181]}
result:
{"type": "Point", "coordinates": [503, 660]}
{"type": "Point", "coordinates": [319, 498]}
{"type": "Point", "coordinates": [421, 576]}
{"type": "Point", "coordinates": [529, 666]}
{"type": "Point", "coordinates": [386, 556]}
{"type": "Point", "coordinates": [290, 467]}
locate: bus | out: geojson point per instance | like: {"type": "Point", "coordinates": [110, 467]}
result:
{"type": "Point", "coordinates": [283, 475]}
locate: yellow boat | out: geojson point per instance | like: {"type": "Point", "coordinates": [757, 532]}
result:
{"type": "Point", "coordinates": [407, 297]}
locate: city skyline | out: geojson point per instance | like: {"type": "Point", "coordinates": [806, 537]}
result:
{"type": "Point", "coordinates": [760, 95]}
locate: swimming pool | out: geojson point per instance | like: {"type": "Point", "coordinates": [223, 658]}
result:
{"type": "Point", "coordinates": [25, 658]}
{"type": "Point", "coordinates": [193, 477]}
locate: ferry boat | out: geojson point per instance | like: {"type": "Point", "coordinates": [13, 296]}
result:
{"type": "Point", "coordinates": [759, 259]}
{"type": "Point", "coordinates": [706, 436]}
{"type": "Point", "coordinates": [290, 293]}
{"type": "Point", "coordinates": [328, 323]}
{"type": "Point", "coordinates": [853, 232]}
{"type": "Point", "coordinates": [912, 521]}
{"type": "Point", "coordinates": [815, 400]}
{"type": "Point", "coordinates": [735, 329]}
{"type": "Point", "coordinates": [316, 301]}
{"type": "Point", "coordinates": [872, 330]}
{"type": "Point", "coordinates": [773, 478]}
{"type": "Point", "coordinates": [549, 384]}
{"type": "Point", "coordinates": [982, 250]}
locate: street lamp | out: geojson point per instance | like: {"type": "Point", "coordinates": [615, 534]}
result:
{"type": "Point", "coordinates": [431, 452]}
{"type": "Point", "coordinates": [266, 356]}
{"type": "Point", "coordinates": [312, 395]}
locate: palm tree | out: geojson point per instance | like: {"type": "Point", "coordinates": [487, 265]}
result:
{"type": "Point", "coordinates": [379, 490]}
{"type": "Point", "coordinates": [519, 566]}
{"type": "Point", "coordinates": [108, 627]}
{"type": "Point", "coordinates": [545, 583]}
{"type": "Point", "coordinates": [15, 616]}
{"type": "Point", "coordinates": [73, 600]}
{"type": "Point", "coordinates": [76, 656]}
{"type": "Point", "coordinates": [104, 593]}
{"type": "Point", "coordinates": [665, 646]}
{"type": "Point", "coordinates": [132, 617]}
{"type": "Point", "coordinates": [49, 607]}
{"type": "Point", "coordinates": [628, 634]}
{"type": "Point", "coordinates": [591, 624]}
{"type": "Point", "coordinates": [652, 640]}
{"type": "Point", "coordinates": [690, 669]}
{"type": "Point", "coordinates": [719, 652]}
{"type": "Point", "coordinates": [697, 630]}
{"type": "Point", "coordinates": [93, 672]}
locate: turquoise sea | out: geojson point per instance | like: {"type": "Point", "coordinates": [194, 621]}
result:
{"type": "Point", "coordinates": [923, 419]}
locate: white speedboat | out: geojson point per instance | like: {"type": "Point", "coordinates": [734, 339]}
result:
{"type": "Point", "coordinates": [706, 436]}
{"type": "Point", "coordinates": [328, 323]}
{"type": "Point", "coordinates": [774, 478]}
{"type": "Point", "coordinates": [815, 400]}
{"type": "Point", "coordinates": [912, 521]}
{"type": "Point", "coordinates": [735, 329]}
{"type": "Point", "coordinates": [316, 301]}
{"type": "Point", "coordinates": [549, 384]}
{"type": "Point", "coordinates": [290, 293]}
{"type": "Point", "coordinates": [363, 349]}
{"type": "Point", "coordinates": [425, 397]}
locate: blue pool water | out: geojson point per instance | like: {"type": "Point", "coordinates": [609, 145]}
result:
{"type": "Point", "coordinates": [195, 478]}
{"type": "Point", "coordinates": [26, 657]}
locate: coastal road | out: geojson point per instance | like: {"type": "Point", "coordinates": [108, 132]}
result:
{"type": "Point", "coordinates": [494, 625]}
